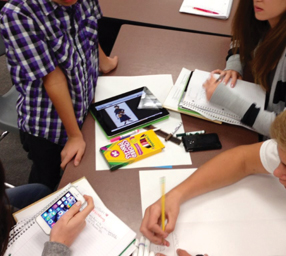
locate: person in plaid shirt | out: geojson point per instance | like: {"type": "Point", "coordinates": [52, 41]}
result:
{"type": "Point", "coordinates": [54, 59]}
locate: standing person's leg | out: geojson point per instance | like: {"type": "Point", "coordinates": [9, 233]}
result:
{"type": "Point", "coordinates": [27, 194]}
{"type": "Point", "coordinates": [46, 158]}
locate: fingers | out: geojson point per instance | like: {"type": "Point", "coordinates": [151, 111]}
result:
{"type": "Point", "coordinates": [78, 157]}
{"type": "Point", "coordinates": [181, 252]}
{"type": "Point", "coordinates": [90, 206]}
{"type": "Point", "coordinates": [150, 227]}
{"type": "Point", "coordinates": [65, 160]}
{"type": "Point", "coordinates": [67, 157]}
{"type": "Point", "coordinates": [217, 71]}
{"type": "Point", "coordinates": [171, 225]}
{"type": "Point", "coordinates": [282, 180]}
{"type": "Point", "coordinates": [233, 75]}
{"type": "Point", "coordinates": [210, 85]}
{"type": "Point", "coordinates": [74, 148]}
{"type": "Point", "coordinates": [228, 75]}
{"type": "Point", "coordinates": [280, 174]}
{"type": "Point", "coordinates": [72, 211]}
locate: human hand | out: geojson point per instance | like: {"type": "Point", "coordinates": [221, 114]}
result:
{"type": "Point", "coordinates": [108, 64]}
{"type": "Point", "coordinates": [75, 147]}
{"type": "Point", "coordinates": [150, 226]}
{"type": "Point", "coordinates": [180, 252]}
{"type": "Point", "coordinates": [280, 171]}
{"type": "Point", "coordinates": [227, 75]}
{"type": "Point", "coordinates": [210, 85]}
{"type": "Point", "coordinates": [69, 226]}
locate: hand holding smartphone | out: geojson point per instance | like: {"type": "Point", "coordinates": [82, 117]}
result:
{"type": "Point", "coordinates": [67, 229]}
{"type": "Point", "coordinates": [49, 217]}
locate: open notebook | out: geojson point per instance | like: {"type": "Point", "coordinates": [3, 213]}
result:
{"type": "Point", "coordinates": [219, 9]}
{"type": "Point", "coordinates": [104, 234]}
{"type": "Point", "coordinates": [175, 94]}
{"type": "Point", "coordinates": [194, 98]}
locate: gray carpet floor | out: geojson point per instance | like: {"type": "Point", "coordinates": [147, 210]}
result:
{"type": "Point", "coordinates": [12, 155]}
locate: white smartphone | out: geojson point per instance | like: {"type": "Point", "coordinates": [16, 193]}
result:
{"type": "Point", "coordinates": [48, 218]}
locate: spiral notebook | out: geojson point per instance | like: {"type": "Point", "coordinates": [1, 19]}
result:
{"type": "Point", "coordinates": [104, 234]}
{"type": "Point", "coordinates": [194, 98]}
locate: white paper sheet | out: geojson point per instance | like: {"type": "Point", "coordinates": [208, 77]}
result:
{"type": "Point", "coordinates": [247, 218]}
{"type": "Point", "coordinates": [219, 9]}
{"type": "Point", "coordinates": [160, 86]}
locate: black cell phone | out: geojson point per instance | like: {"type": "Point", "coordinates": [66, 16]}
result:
{"type": "Point", "coordinates": [199, 142]}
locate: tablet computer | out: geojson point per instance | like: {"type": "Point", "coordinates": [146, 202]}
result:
{"type": "Point", "coordinates": [119, 114]}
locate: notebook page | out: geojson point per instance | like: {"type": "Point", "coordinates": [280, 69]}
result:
{"type": "Point", "coordinates": [110, 233]}
{"type": "Point", "coordinates": [103, 235]}
{"type": "Point", "coordinates": [29, 243]}
{"type": "Point", "coordinates": [175, 94]}
{"type": "Point", "coordinates": [196, 95]}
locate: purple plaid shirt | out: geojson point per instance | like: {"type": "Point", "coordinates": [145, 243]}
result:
{"type": "Point", "coordinates": [40, 35]}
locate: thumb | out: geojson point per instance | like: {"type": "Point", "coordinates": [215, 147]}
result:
{"type": "Point", "coordinates": [73, 210]}
{"type": "Point", "coordinates": [65, 161]}
{"type": "Point", "coordinates": [181, 252]}
{"type": "Point", "coordinates": [78, 157]}
{"type": "Point", "coordinates": [171, 224]}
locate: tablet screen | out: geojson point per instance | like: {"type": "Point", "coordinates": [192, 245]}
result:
{"type": "Point", "coordinates": [121, 113]}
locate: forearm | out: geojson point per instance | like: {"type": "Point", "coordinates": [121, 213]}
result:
{"type": "Point", "coordinates": [223, 170]}
{"type": "Point", "coordinates": [56, 86]}
{"type": "Point", "coordinates": [250, 115]}
{"type": "Point", "coordinates": [233, 63]}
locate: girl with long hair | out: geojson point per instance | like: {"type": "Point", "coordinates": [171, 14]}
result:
{"type": "Point", "coordinates": [257, 54]}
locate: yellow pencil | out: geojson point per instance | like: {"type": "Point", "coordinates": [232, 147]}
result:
{"type": "Point", "coordinates": [163, 202]}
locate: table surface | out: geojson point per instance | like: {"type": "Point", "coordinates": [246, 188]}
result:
{"type": "Point", "coordinates": [141, 52]}
{"type": "Point", "coordinates": [165, 13]}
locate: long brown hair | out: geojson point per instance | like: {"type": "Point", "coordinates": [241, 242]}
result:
{"type": "Point", "coordinates": [6, 221]}
{"type": "Point", "coordinates": [259, 45]}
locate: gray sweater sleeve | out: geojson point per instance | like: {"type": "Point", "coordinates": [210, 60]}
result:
{"type": "Point", "coordinates": [55, 249]}
{"type": "Point", "coordinates": [257, 118]}
{"type": "Point", "coordinates": [233, 63]}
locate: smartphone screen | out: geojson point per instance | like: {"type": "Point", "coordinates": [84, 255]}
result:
{"type": "Point", "coordinates": [54, 213]}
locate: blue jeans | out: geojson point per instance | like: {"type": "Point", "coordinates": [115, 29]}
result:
{"type": "Point", "coordinates": [24, 195]}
